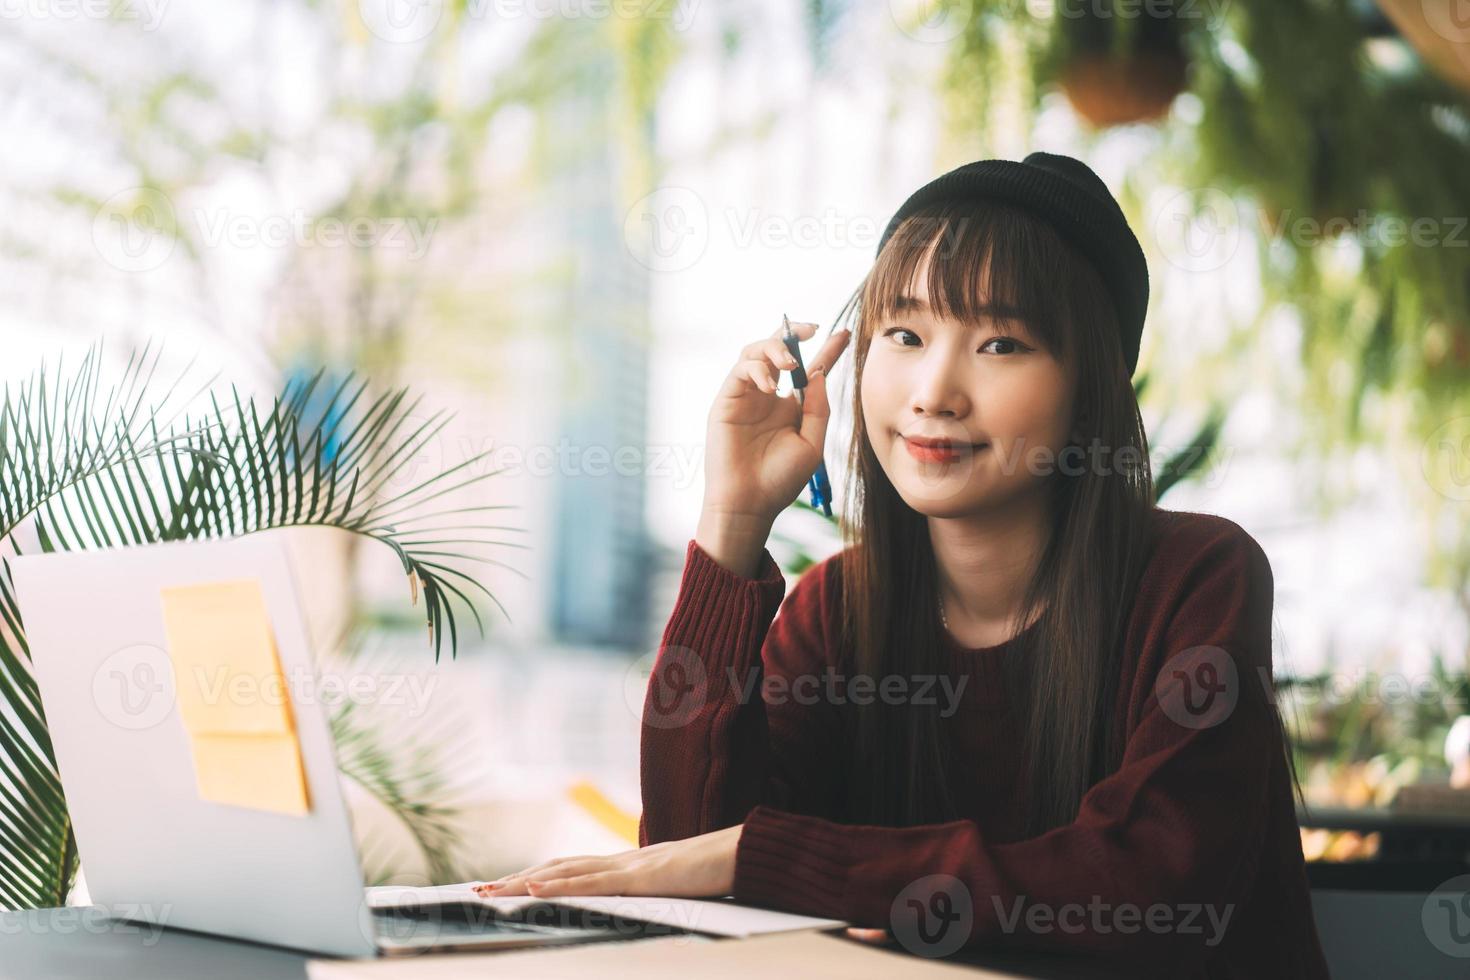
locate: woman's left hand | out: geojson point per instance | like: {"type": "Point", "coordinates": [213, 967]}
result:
{"type": "Point", "coordinates": [696, 867]}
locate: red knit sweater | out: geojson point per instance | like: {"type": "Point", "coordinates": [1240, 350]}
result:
{"type": "Point", "coordinates": [1187, 858]}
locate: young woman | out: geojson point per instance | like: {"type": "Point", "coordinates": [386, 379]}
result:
{"type": "Point", "coordinates": [1023, 704]}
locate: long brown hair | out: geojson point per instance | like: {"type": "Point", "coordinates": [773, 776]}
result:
{"type": "Point", "coordinates": [1064, 672]}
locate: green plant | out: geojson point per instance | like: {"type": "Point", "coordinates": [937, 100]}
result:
{"type": "Point", "coordinates": [1303, 110]}
{"type": "Point", "coordinates": [86, 471]}
{"type": "Point", "coordinates": [1294, 137]}
{"type": "Point", "coordinates": [406, 777]}
{"type": "Point", "coordinates": [1367, 721]}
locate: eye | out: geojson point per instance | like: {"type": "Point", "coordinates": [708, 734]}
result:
{"type": "Point", "coordinates": [1017, 346]}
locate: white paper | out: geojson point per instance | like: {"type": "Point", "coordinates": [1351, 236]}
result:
{"type": "Point", "coordinates": [716, 917]}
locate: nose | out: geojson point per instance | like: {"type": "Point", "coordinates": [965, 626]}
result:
{"type": "Point", "coordinates": [939, 386]}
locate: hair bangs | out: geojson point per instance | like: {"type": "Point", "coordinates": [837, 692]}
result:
{"type": "Point", "coordinates": [987, 264]}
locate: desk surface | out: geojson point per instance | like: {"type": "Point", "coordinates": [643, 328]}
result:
{"type": "Point", "coordinates": [82, 944]}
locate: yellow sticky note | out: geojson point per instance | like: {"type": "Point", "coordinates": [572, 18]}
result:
{"type": "Point", "coordinates": [262, 772]}
{"type": "Point", "coordinates": [226, 670]}
{"type": "Point", "coordinates": [233, 697]}
{"type": "Point", "coordinates": [605, 811]}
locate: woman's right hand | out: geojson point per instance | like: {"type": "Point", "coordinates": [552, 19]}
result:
{"type": "Point", "coordinates": [761, 447]}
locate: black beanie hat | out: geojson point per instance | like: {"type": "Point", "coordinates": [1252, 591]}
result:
{"type": "Point", "coordinates": [1069, 196]}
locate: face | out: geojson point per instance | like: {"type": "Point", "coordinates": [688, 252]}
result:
{"type": "Point", "coordinates": [1001, 400]}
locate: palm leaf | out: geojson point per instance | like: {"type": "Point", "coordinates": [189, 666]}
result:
{"type": "Point", "coordinates": [405, 776]}
{"type": "Point", "coordinates": [1192, 459]}
{"type": "Point", "coordinates": [92, 471]}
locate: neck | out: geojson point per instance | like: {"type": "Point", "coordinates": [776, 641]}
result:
{"type": "Point", "coordinates": [985, 561]}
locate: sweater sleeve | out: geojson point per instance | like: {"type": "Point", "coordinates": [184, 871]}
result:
{"type": "Point", "coordinates": [730, 718]}
{"type": "Point", "coordinates": [1179, 823]}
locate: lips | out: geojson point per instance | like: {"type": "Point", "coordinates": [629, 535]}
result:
{"type": "Point", "coordinates": [938, 450]}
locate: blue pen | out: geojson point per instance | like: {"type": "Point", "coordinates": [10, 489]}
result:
{"type": "Point", "coordinates": [818, 484]}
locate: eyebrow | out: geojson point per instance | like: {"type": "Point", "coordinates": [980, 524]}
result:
{"type": "Point", "coordinates": [997, 311]}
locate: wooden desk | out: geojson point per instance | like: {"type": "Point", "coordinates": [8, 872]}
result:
{"type": "Point", "coordinates": [80, 943]}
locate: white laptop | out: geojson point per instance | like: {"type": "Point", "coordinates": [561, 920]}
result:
{"type": "Point", "coordinates": [147, 840]}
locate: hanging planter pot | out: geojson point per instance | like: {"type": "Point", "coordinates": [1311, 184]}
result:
{"type": "Point", "coordinates": [1109, 87]}
{"type": "Point", "coordinates": [1446, 348]}
{"type": "Point", "coordinates": [1438, 31]}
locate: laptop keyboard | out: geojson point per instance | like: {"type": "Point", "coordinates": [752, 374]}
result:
{"type": "Point", "coordinates": [452, 921]}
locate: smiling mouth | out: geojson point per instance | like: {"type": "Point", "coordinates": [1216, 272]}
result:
{"type": "Point", "coordinates": [940, 452]}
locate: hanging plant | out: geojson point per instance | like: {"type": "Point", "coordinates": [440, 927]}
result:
{"type": "Point", "coordinates": [1117, 68]}
{"type": "Point", "coordinates": [1438, 32]}
{"type": "Point", "coordinates": [1328, 186]}
{"type": "Point", "coordinates": [1314, 111]}
{"type": "Point", "coordinates": [1345, 157]}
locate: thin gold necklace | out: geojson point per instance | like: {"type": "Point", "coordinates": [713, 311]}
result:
{"type": "Point", "coordinates": [942, 617]}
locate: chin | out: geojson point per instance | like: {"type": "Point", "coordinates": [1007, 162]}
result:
{"type": "Point", "coordinates": [942, 509]}
{"type": "Point", "coordinates": [958, 490]}
{"type": "Point", "coordinates": [954, 494]}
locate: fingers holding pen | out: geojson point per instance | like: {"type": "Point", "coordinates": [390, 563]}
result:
{"type": "Point", "coordinates": [763, 360]}
{"type": "Point", "coordinates": [803, 330]}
